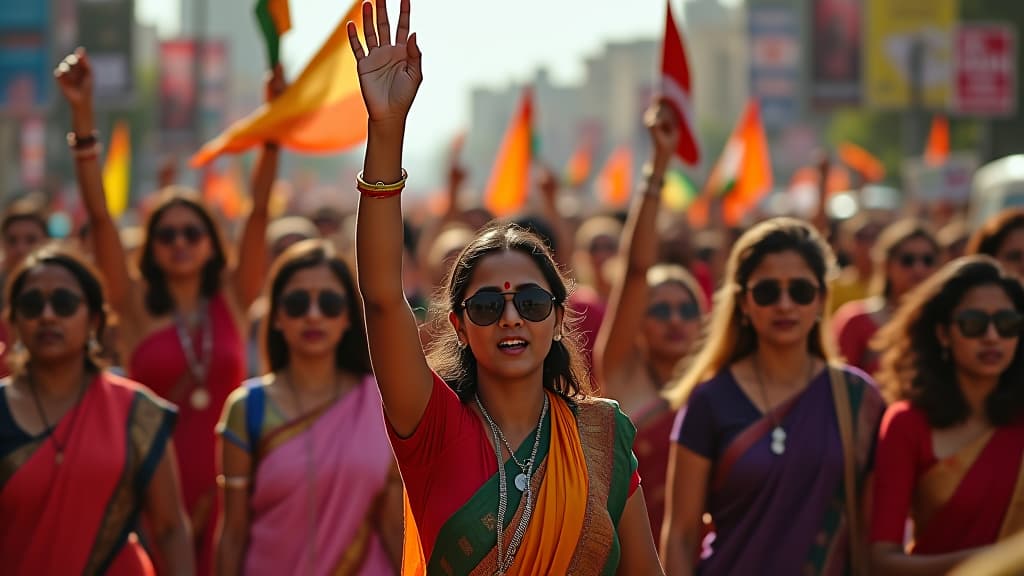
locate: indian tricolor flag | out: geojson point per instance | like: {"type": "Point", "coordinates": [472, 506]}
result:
{"type": "Point", "coordinates": [322, 110]}
{"type": "Point", "coordinates": [743, 173]}
{"type": "Point", "coordinates": [675, 87]}
{"type": "Point", "coordinates": [509, 184]}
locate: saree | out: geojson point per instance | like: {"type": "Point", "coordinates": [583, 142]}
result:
{"type": "Point", "coordinates": [788, 513]}
{"type": "Point", "coordinates": [78, 517]}
{"type": "Point", "coordinates": [318, 485]}
{"type": "Point", "coordinates": [159, 362]}
{"type": "Point", "coordinates": [582, 483]}
{"type": "Point", "coordinates": [973, 498]}
{"type": "Point", "coordinates": [653, 432]}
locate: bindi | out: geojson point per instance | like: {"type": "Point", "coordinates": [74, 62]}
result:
{"type": "Point", "coordinates": [507, 285]}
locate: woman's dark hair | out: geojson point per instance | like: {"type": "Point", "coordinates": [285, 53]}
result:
{"type": "Point", "coordinates": [158, 299]}
{"type": "Point", "coordinates": [889, 242]}
{"type": "Point", "coordinates": [990, 237]}
{"type": "Point", "coordinates": [352, 353]}
{"type": "Point", "coordinates": [914, 367]}
{"type": "Point", "coordinates": [89, 280]}
{"type": "Point", "coordinates": [565, 372]}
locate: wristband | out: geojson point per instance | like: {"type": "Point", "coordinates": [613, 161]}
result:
{"type": "Point", "coordinates": [80, 142]}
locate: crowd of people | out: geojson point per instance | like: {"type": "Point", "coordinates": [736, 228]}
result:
{"type": "Point", "coordinates": [580, 397]}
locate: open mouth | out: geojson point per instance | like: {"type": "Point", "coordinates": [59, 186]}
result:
{"type": "Point", "coordinates": [512, 344]}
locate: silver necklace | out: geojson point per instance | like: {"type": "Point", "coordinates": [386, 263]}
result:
{"type": "Point", "coordinates": [778, 445]}
{"type": "Point", "coordinates": [198, 367]}
{"type": "Point", "coordinates": [504, 560]}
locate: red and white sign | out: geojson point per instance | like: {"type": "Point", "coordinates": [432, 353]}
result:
{"type": "Point", "coordinates": [985, 70]}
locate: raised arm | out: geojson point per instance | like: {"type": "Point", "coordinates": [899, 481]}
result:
{"type": "Point", "coordinates": [628, 302]}
{"type": "Point", "coordinates": [248, 278]}
{"type": "Point", "coordinates": [549, 188]}
{"type": "Point", "coordinates": [75, 79]}
{"type": "Point", "coordinates": [389, 76]}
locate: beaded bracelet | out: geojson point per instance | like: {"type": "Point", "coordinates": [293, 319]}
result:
{"type": "Point", "coordinates": [380, 189]}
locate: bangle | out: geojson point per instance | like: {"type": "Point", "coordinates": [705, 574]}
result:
{"type": "Point", "coordinates": [380, 187]}
{"type": "Point", "coordinates": [78, 142]}
{"type": "Point", "coordinates": [380, 195]}
{"type": "Point", "coordinates": [233, 482]}
{"type": "Point", "coordinates": [88, 153]}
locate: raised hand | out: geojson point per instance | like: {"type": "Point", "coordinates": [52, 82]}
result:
{"type": "Point", "coordinates": [74, 77]}
{"type": "Point", "coordinates": [663, 125]}
{"type": "Point", "coordinates": [389, 74]}
{"type": "Point", "coordinates": [548, 184]}
{"type": "Point", "coordinates": [274, 84]}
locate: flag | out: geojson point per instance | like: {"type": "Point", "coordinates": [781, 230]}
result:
{"type": "Point", "coordinates": [578, 168]}
{"type": "Point", "coordinates": [509, 184]}
{"type": "Point", "coordinates": [937, 151]}
{"type": "Point", "coordinates": [863, 162]}
{"type": "Point", "coordinates": [117, 170]}
{"type": "Point", "coordinates": [743, 173]}
{"type": "Point", "coordinates": [224, 191]}
{"type": "Point", "coordinates": [675, 87]}
{"type": "Point", "coordinates": [615, 178]}
{"type": "Point", "coordinates": [274, 18]}
{"type": "Point", "coordinates": [679, 192]}
{"type": "Point", "coordinates": [321, 111]}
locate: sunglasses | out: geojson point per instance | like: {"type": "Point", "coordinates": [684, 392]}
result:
{"type": "Point", "coordinates": [297, 303]}
{"type": "Point", "coordinates": [485, 308]}
{"type": "Point", "coordinates": [31, 305]}
{"type": "Point", "coordinates": [768, 292]}
{"type": "Point", "coordinates": [908, 260]}
{"type": "Point", "coordinates": [663, 311]}
{"type": "Point", "coordinates": [167, 235]}
{"type": "Point", "coordinates": [1012, 256]}
{"type": "Point", "coordinates": [975, 323]}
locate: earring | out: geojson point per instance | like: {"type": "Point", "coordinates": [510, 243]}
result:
{"type": "Point", "coordinates": [557, 338]}
{"type": "Point", "coordinates": [94, 346]}
{"type": "Point", "coordinates": [462, 345]}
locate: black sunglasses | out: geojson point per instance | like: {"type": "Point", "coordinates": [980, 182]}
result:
{"type": "Point", "coordinates": [975, 323]}
{"type": "Point", "coordinates": [908, 260]}
{"type": "Point", "coordinates": [31, 305]}
{"type": "Point", "coordinates": [166, 235]}
{"type": "Point", "coordinates": [297, 303]}
{"type": "Point", "coordinates": [663, 311]}
{"type": "Point", "coordinates": [485, 308]}
{"type": "Point", "coordinates": [768, 292]}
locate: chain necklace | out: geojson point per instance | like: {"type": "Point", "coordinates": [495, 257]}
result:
{"type": "Point", "coordinates": [504, 560]}
{"type": "Point", "coordinates": [50, 431]}
{"type": "Point", "coordinates": [197, 367]}
{"type": "Point", "coordinates": [778, 445]}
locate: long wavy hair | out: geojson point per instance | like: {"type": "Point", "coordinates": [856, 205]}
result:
{"type": "Point", "coordinates": [352, 352]}
{"type": "Point", "coordinates": [564, 372]}
{"type": "Point", "coordinates": [158, 299]}
{"type": "Point", "coordinates": [89, 280]}
{"type": "Point", "coordinates": [727, 338]}
{"type": "Point", "coordinates": [913, 366]}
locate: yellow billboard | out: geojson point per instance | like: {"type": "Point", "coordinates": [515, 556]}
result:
{"type": "Point", "coordinates": [896, 29]}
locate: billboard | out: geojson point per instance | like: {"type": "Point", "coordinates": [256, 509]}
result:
{"type": "Point", "coordinates": [26, 78]}
{"type": "Point", "coordinates": [836, 53]}
{"type": "Point", "coordinates": [900, 33]}
{"type": "Point", "coordinates": [106, 29]}
{"type": "Point", "coordinates": [774, 53]}
{"type": "Point", "coordinates": [985, 69]}
{"type": "Point", "coordinates": [184, 109]}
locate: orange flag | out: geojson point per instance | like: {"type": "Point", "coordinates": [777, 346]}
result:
{"type": "Point", "coordinates": [577, 169]}
{"type": "Point", "coordinates": [117, 170]}
{"type": "Point", "coordinates": [615, 177]}
{"type": "Point", "coordinates": [937, 151]}
{"type": "Point", "coordinates": [865, 163]}
{"type": "Point", "coordinates": [509, 184]}
{"type": "Point", "coordinates": [224, 191]}
{"type": "Point", "coordinates": [321, 111]}
{"type": "Point", "coordinates": [743, 173]}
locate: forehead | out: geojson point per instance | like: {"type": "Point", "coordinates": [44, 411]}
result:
{"type": "Point", "coordinates": [782, 265]}
{"type": "Point", "coordinates": [317, 278]}
{"type": "Point", "coordinates": [988, 297]}
{"type": "Point", "coordinates": [916, 244]}
{"type": "Point", "coordinates": [669, 291]}
{"type": "Point", "coordinates": [510, 266]}
{"type": "Point", "coordinates": [50, 276]}
{"type": "Point", "coordinates": [179, 214]}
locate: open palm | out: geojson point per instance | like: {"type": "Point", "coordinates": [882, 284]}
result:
{"type": "Point", "coordinates": [389, 74]}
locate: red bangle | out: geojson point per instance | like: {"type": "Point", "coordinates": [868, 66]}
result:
{"type": "Point", "coordinates": [376, 195]}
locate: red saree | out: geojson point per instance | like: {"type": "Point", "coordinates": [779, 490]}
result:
{"type": "Point", "coordinates": [78, 517]}
{"type": "Point", "coordinates": [653, 432]}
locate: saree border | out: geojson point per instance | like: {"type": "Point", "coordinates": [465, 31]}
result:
{"type": "Point", "coordinates": [595, 421]}
{"type": "Point", "coordinates": [14, 460]}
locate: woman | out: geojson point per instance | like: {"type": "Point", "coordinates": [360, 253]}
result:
{"type": "Point", "coordinates": [654, 323]}
{"type": "Point", "coordinates": [182, 318]}
{"type": "Point", "coordinates": [508, 381]}
{"type": "Point", "coordinates": [775, 439]}
{"type": "Point", "coordinates": [82, 452]}
{"type": "Point", "coordinates": [306, 467]}
{"type": "Point", "coordinates": [906, 255]}
{"type": "Point", "coordinates": [950, 448]}
{"type": "Point", "coordinates": [1002, 237]}
{"type": "Point", "coordinates": [22, 230]}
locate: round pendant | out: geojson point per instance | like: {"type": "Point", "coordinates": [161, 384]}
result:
{"type": "Point", "coordinates": [522, 482]}
{"type": "Point", "coordinates": [778, 441]}
{"type": "Point", "coordinates": [200, 399]}
{"type": "Point", "coordinates": [59, 458]}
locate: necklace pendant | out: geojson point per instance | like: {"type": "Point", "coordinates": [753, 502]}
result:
{"type": "Point", "coordinates": [59, 458]}
{"type": "Point", "coordinates": [522, 482]}
{"type": "Point", "coordinates": [200, 399]}
{"type": "Point", "coordinates": [778, 441]}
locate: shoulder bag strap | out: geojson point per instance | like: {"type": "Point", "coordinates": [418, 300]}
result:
{"type": "Point", "coordinates": [841, 396]}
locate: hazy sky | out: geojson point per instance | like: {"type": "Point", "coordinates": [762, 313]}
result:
{"type": "Point", "coordinates": [472, 43]}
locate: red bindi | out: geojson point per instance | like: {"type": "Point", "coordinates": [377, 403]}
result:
{"type": "Point", "coordinates": [507, 285]}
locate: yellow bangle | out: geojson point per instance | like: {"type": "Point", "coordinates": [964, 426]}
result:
{"type": "Point", "coordinates": [233, 482]}
{"type": "Point", "coordinates": [380, 186]}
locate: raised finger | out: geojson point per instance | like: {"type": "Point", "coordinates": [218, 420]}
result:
{"type": "Point", "coordinates": [402, 34]}
{"type": "Point", "coordinates": [368, 31]}
{"type": "Point", "coordinates": [383, 26]}
{"type": "Point", "coordinates": [353, 41]}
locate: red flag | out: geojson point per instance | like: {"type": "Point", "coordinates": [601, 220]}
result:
{"type": "Point", "coordinates": [938, 142]}
{"type": "Point", "coordinates": [675, 87]}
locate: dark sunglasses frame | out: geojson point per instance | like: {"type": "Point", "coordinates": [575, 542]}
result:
{"type": "Point", "coordinates": [974, 323]}
{"type": "Point", "coordinates": [768, 292]}
{"type": "Point", "coordinates": [494, 303]}
{"type": "Point", "coordinates": [32, 304]}
{"type": "Point", "coordinates": [663, 311]}
{"type": "Point", "coordinates": [168, 235]}
{"type": "Point", "coordinates": [909, 259]}
{"type": "Point", "coordinates": [298, 303]}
